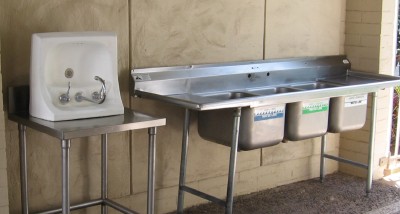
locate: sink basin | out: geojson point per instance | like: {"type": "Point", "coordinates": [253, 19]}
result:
{"type": "Point", "coordinates": [306, 119]}
{"type": "Point", "coordinates": [74, 76]}
{"type": "Point", "coordinates": [259, 127]}
{"type": "Point", "coordinates": [269, 91]}
{"type": "Point", "coordinates": [347, 113]}
{"type": "Point", "coordinates": [314, 85]}
{"type": "Point", "coordinates": [229, 95]}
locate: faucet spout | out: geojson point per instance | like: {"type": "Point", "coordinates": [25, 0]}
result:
{"type": "Point", "coordinates": [101, 95]}
{"type": "Point", "coordinates": [98, 97]}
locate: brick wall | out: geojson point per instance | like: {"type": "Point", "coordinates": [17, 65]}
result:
{"type": "Point", "coordinates": [369, 46]}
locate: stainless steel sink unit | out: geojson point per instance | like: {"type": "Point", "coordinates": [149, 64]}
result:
{"type": "Point", "coordinates": [234, 101]}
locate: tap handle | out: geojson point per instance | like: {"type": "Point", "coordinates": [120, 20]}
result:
{"type": "Point", "coordinates": [64, 98]}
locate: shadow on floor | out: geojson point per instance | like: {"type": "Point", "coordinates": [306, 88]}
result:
{"type": "Point", "coordinates": [339, 193]}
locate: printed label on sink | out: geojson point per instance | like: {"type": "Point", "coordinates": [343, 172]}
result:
{"type": "Point", "coordinates": [270, 112]}
{"type": "Point", "coordinates": [355, 100]}
{"type": "Point", "coordinates": [315, 106]}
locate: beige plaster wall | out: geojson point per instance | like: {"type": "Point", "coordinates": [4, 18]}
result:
{"type": "Point", "coordinates": [3, 161]}
{"type": "Point", "coordinates": [370, 28]}
{"type": "Point", "coordinates": [164, 33]}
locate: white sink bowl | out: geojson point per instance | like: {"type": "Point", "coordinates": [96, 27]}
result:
{"type": "Point", "coordinates": [86, 54]}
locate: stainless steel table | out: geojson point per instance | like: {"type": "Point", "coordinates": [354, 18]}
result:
{"type": "Point", "coordinates": [67, 130]}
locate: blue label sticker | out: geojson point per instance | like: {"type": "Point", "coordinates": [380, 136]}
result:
{"type": "Point", "coordinates": [269, 113]}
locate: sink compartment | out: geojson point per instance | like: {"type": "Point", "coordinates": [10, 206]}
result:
{"type": "Point", "coordinates": [347, 113]}
{"type": "Point", "coordinates": [306, 119]}
{"type": "Point", "coordinates": [315, 85]}
{"type": "Point", "coordinates": [230, 95]}
{"type": "Point", "coordinates": [259, 127]}
{"type": "Point", "coordinates": [270, 91]}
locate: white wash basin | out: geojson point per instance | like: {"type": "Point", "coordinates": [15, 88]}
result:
{"type": "Point", "coordinates": [64, 65]}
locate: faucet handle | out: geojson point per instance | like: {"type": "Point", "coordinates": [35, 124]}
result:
{"type": "Point", "coordinates": [64, 98]}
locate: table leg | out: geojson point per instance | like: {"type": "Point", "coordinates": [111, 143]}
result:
{"type": "Point", "coordinates": [232, 161]}
{"type": "Point", "coordinates": [65, 146]}
{"type": "Point", "coordinates": [322, 160]}
{"type": "Point", "coordinates": [182, 174]}
{"type": "Point", "coordinates": [151, 169]}
{"type": "Point", "coordinates": [104, 170]}
{"type": "Point", "coordinates": [23, 168]}
{"type": "Point", "coordinates": [371, 142]}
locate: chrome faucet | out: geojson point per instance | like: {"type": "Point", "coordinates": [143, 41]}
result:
{"type": "Point", "coordinates": [97, 97]}
{"type": "Point", "coordinates": [64, 98]}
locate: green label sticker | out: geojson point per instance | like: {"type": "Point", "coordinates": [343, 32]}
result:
{"type": "Point", "coordinates": [315, 106]}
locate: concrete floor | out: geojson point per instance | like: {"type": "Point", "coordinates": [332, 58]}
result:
{"type": "Point", "coordinates": [339, 193]}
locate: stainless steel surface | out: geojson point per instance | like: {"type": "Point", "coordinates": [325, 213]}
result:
{"type": "Point", "coordinates": [260, 126]}
{"type": "Point", "coordinates": [130, 120]}
{"type": "Point", "coordinates": [204, 195]}
{"type": "Point", "coordinates": [23, 169]}
{"type": "Point", "coordinates": [343, 160]}
{"type": "Point", "coordinates": [306, 119]}
{"type": "Point", "coordinates": [74, 207]}
{"type": "Point", "coordinates": [65, 146]}
{"type": "Point", "coordinates": [322, 158]}
{"type": "Point", "coordinates": [151, 169]}
{"type": "Point", "coordinates": [191, 86]}
{"type": "Point", "coordinates": [347, 113]}
{"type": "Point", "coordinates": [66, 130]}
{"type": "Point", "coordinates": [182, 172]}
{"type": "Point", "coordinates": [104, 170]}
{"type": "Point", "coordinates": [371, 146]}
{"type": "Point", "coordinates": [118, 207]}
{"type": "Point", "coordinates": [232, 161]}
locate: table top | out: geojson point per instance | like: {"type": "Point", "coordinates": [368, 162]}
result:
{"type": "Point", "coordinates": [63, 130]}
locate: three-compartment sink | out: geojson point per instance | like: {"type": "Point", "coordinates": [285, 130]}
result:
{"type": "Point", "coordinates": [268, 125]}
{"type": "Point", "coordinates": [285, 98]}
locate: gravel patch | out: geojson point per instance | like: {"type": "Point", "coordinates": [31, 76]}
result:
{"type": "Point", "coordinates": [339, 193]}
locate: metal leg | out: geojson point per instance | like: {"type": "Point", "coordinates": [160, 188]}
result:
{"type": "Point", "coordinates": [371, 142]}
{"type": "Point", "coordinates": [322, 161]}
{"type": "Point", "coordinates": [104, 170]}
{"type": "Point", "coordinates": [23, 168]}
{"type": "Point", "coordinates": [232, 162]}
{"type": "Point", "coordinates": [182, 174]}
{"type": "Point", "coordinates": [65, 146]}
{"type": "Point", "coordinates": [151, 169]}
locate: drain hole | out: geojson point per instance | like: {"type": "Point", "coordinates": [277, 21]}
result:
{"type": "Point", "coordinates": [69, 73]}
